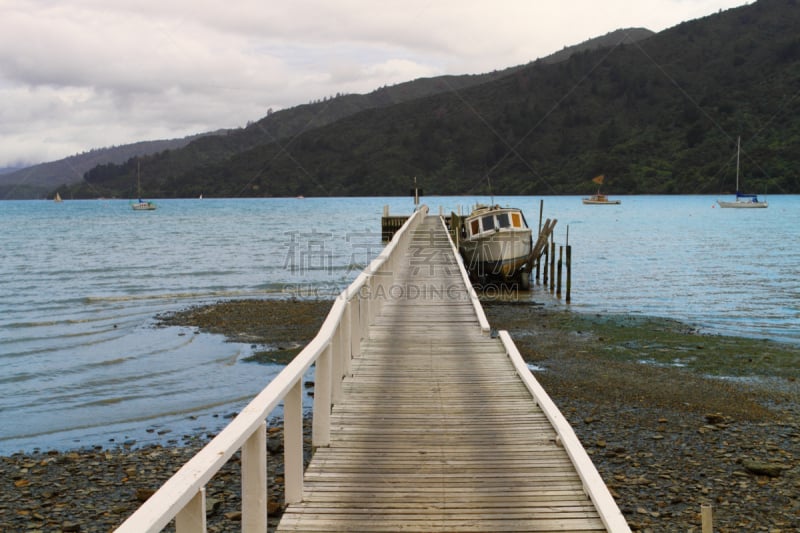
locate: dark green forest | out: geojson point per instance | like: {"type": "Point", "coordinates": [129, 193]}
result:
{"type": "Point", "coordinates": [657, 116]}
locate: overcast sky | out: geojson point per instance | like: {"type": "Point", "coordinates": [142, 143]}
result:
{"type": "Point", "coordinates": [82, 74]}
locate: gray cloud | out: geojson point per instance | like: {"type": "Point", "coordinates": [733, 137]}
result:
{"type": "Point", "coordinates": [90, 73]}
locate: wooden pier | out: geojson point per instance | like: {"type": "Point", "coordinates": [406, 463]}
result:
{"type": "Point", "coordinates": [436, 431]}
{"type": "Point", "coordinates": [426, 420]}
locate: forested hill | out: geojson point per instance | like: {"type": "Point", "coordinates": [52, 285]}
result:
{"type": "Point", "coordinates": [285, 125]}
{"type": "Point", "coordinates": [660, 115]}
{"type": "Point", "coordinates": [37, 180]}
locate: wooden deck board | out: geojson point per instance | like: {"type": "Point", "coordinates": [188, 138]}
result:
{"type": "Point", "coordinates": [435, 431]}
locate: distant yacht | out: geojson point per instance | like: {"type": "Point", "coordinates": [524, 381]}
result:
{"type": "Point", "coordinates": [742, 200]}
{"type": "Point", "coordinates": [141, 205]}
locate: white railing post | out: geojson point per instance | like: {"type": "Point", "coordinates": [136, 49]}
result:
{"type": "Point", "coordinates": [192, 518]}
{"type": "Point", "coordinates": [372, 306]}
{"type": "Point", "coordinates": [346, 341]}
{"type": "Point", "coordinates": [337, 369]}
{"type": "Point", "coordinates": [254, 481]}
{"type": "Point", "coordinates": [363, 309]}
{"type": "Point", "coordinates": [293, 442]}
{"type": "Point", "coordinates": [321, 423]}
{"type": "Point", "coordinates": [355, 329]}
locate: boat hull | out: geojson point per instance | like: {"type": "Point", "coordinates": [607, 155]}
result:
{"type": "Point", "coordinates": [600, 199]}
{"type": "Point", "coordinates": [500, 255]}
{"type": "Point", "coordinates": [588, 201]}
{"type": "Point", "coordinates": [743, 205]}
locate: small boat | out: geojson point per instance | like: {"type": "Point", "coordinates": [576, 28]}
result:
{"type": "Point", "coordinates": [57, 198]}
{"type": "Point", "coordinates": [742, 200]}
{"type": "Point", "coordinates": [141, 205]}
{"type": "Point", "coordinates": [599, 199]}
{"type": "Point", "coordinates": [495, 242]}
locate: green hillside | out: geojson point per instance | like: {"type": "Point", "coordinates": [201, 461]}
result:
{"type": "Point", "coordinates": [660, 115]}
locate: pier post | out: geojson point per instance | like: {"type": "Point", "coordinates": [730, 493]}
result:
{"type": "Point", "coordinates": [254, 481]}
{"type": "Point", "coordinates": [345, 343]}
{"type": "Point", "coordinates": [355, 327]}
{"type": "Point", "coordinates": [293, 443]}
{"type": "Point", "coordinates": [552, 265]}
{"type": "Point", "coordinates": [560, 262]}
{"type": "Point", "coordinates": [546, 262]}
{"type": "Point", "coordinates": [569, 274]}
{"type": "Point", "coordinates": [336, 370]}
{"type": "Point", "coordinates": [706, 518]}
{"type": "Point", "coordinates": [193, 516]}
{"type": "Point", "coordinates": [541, 211]}
{"type": "Point", "coordinates": [324, 377]}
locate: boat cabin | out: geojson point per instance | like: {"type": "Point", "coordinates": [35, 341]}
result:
{"type": "Point", "coordinates": [492, 219]}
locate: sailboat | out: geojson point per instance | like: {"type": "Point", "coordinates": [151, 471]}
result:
{"type": "Point", "coordinates": [599, 199]}
{"type": "Point", "coordinates": [57, 198]}
{"type": "Point", "coordinates": [742, 200]}
{"type": "Point", "coordinates": [141, 205]}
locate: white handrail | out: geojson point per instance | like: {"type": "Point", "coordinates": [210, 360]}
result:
{"type": "Point", "coordinates": [471, 294]}
{"type": "Point", "coordinates": [593, 484]}
{"type": "Point", "coordinates": [182, 495]}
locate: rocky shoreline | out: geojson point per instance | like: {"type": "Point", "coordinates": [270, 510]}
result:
{"type": "Point", "coordinates": [672, 418]}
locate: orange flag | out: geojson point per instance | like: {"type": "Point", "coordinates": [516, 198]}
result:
{"type": "Point", "coordinates": [599, 179]}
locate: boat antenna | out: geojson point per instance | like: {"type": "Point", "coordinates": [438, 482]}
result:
{"type": "Point", "coordinates": [491, 194]}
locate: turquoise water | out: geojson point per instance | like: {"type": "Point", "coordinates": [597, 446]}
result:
{"type": "Point", "coordinates": [81, 283]}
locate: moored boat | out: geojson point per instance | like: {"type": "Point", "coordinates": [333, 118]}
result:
{"type": "Point", "coordinates": [141, 205]}
{"type": "Point", "coordinates": [742, 200]}
{"type": "Point", "coordinates": [599, 198]}
{"type": "Point", "coordinates": [495, 242]}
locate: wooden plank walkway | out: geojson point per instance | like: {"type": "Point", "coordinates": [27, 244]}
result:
{"type": "Point", "coordinates": [435, 431]}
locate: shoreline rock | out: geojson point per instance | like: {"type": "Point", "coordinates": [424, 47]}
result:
{"type": "Point", "coordinates": [666, 438]}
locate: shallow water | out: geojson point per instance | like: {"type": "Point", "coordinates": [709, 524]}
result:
{"type": "Point", "coordinates": [82, 281]}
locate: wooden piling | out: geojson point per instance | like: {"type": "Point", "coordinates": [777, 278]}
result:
{"type": "Point", "coordinates": [546, 261]}
{"type": "Point", "coordinates": [552, 266]}
{"type": "Point", "coordinates": [560, 263]}
{"type": "Point", "coordinates": [569, 274]}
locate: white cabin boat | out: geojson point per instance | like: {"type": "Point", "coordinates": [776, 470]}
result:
{"type": "Point", "coordinates": [495, 242]}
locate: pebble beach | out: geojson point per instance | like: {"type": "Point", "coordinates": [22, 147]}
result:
{"type": "Point", "coordinates": [673, 418]}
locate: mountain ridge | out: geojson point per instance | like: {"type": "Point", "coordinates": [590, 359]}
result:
{"type": "Point", "coordinates": [41, 179]}
{"type": "Point", "coordinates": [658, 116]}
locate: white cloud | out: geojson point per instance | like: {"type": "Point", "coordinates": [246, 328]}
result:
{"type": "Point", "coordinates": [93, 73]}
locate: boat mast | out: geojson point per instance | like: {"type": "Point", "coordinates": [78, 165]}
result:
{"type": "Point", "coordinates": [738, 142]}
